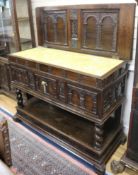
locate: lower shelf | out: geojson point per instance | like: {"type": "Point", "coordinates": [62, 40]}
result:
{"type": "Point", "coordinates": [71, 131]}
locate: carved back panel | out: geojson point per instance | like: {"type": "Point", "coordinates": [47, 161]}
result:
{"type": "Point", "coordinates": [99, 29]}
{"type": "Point", "coordinates": [105, 30]}
{"type": "Point", "coordinates": [55, 27]}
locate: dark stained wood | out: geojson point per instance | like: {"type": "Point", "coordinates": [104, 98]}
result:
{"type": "Point", "coordinates": [79, 92]}
{"type": "Point", "coordinates": [5, 151]}
{"type": "Point", "coordinates": [96, 29]}
{"type": "Point", "coordinates": [87, 110]}
{"type": "Point", "coordinates": [79, 112]}
{"type": "Point", "coordinates": [5, 81]}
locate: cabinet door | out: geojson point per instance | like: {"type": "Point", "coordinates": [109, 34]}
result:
{"type": "Point", "coordinates": [82, 99]}
{"type": "Point", "coordinates": [19, 75]}
{"type": "Point", "coordinates": [47, 86]}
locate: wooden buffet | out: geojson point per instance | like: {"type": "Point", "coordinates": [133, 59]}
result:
{"type": "Point", "coordinates": [75, 98]}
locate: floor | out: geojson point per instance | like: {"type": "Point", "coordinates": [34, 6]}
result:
{"type": "Point", "coordinates": [10, 105]}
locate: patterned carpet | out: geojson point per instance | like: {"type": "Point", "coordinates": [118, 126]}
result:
{"type": "Point", "coordinates": [32, 155]}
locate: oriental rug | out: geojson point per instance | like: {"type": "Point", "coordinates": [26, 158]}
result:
{"type": "Point", "coordinates": [32, 155]}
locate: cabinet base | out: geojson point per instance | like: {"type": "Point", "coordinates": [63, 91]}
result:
{"type": "Point", "coordinates": [70, 132]}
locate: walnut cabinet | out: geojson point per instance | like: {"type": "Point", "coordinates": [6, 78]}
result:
{"type": "Point", "coordinates": [71, 89]}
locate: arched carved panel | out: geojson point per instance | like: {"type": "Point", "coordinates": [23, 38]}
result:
{"type": "Point", "coordinates": [90, 35]}
{"type": "Point", "coordinates": [88, 103]}
{"type": "Point", "coordinates": [107, 33]}
{"type": "Point", "coordinates": [56, 31]}
{"type": "Point", "coordinates": [60, 30]}
{"type": "Point", "coordinates": [99, 30]}
{"type": "Point", "coordinates": [50, 29]}
{"type": "Point", "coordinates": [75, 98]}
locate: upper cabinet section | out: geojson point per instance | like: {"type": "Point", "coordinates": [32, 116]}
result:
{"type": "Point", "coordinates": [105, 30]}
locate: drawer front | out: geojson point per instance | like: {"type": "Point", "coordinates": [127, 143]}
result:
{"type": "Point", "coordinates": [62, 92]}
{"type": "Point", "coordinates": [47, 86]}
{"type": "Point", "coordinates": [82, 99]}
{"type": "Point", "coordinates": [19, 75]}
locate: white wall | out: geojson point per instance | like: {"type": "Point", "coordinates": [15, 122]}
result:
{"type": "Point", "coordinates": [127, 105]}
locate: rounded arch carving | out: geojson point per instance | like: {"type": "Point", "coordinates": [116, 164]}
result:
{"type": "Point", "coordinates": [108, 31]}
{"type": "Point", "coordinates": [60, 27]}
{"type": "Point", "coordinates": [109, 18]}
{"type": "Point", "coordinates": [90, 32]}
{"type": "Point", "coordinates": [87, 17]}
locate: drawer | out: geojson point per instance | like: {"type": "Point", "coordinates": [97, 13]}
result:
{"type": "Point", "coordinates": [82, 99]}
{"type": "Point", "coordinates": [45, 85]}
{"type": "Point", "coordinates": [19, 75]}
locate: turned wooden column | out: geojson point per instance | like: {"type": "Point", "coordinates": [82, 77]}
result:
{"type": "Point", "coordinates": [98, 136]}
{"type": "Point", "coordinates": [19, 97]}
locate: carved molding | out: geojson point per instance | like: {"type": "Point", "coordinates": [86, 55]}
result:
{"type": "Point", "coordinates": [74, 28]}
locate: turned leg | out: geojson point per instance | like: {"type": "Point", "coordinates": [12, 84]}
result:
{"type": "Point", "coordinates": [98, 136]}
{"type": "Point", "coordinates": [19, 97]}
{"type": "Point", "coordinates": [20, 102]}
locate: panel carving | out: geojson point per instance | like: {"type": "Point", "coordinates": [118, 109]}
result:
{"type": "Point", "coordinates": [113, 94]}
{"type": "Point", "coordinates": [55, 22]}
{"type": "Point", "coordinates": [74, 28]}
{"type": "Point", "coordinates": [100, 29]}
{"type": "Point", "coordinates": [31, 79]}
{"type": "Point", "coordinates": [62, 91]}
{"type": "Point", "coordinates": [47, 86]}
{"type": "Point", "coordinates": [20, 75]}
{"type": "Point", "coordinates": [82, 99]}
{"type": "Point", "coordinates": [4, 81]}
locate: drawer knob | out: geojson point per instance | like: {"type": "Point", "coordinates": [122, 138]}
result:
{"type": "Point", "coordinates": [44, 84]}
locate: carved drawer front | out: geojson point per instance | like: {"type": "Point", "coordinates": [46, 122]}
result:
{"type": "Point", "coordinates": [47, 86]}
{"type": "Point", "coordinates": [99, 29]}
{"type": "Point", "coordinates": [114, 94]}
{"type": "Point", "coordinates": [55, 30]}
{"type": "Point", "coordinates": [82, 99]}
{"type": "Point", "coordinates": [19, 75]}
